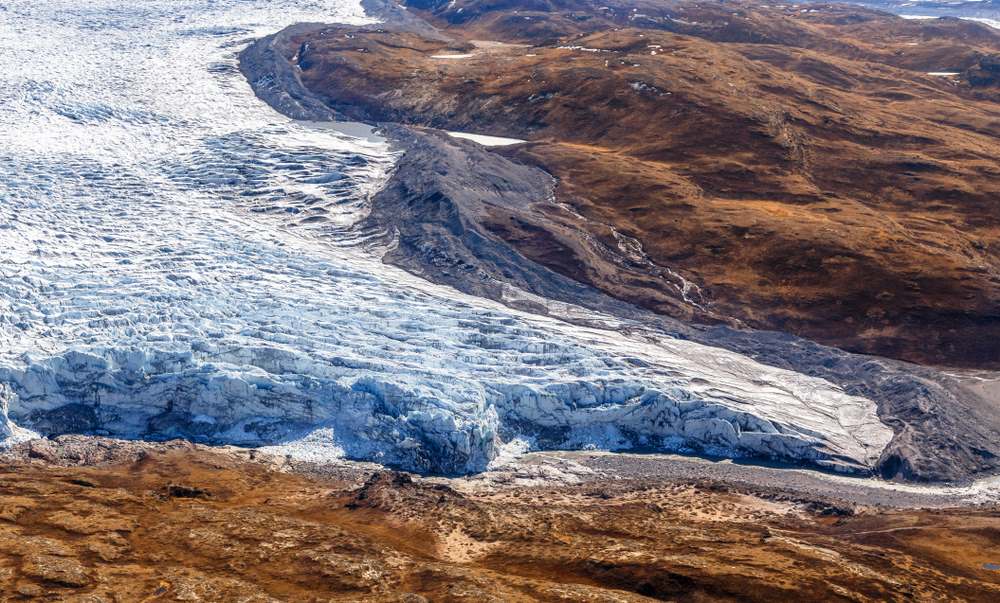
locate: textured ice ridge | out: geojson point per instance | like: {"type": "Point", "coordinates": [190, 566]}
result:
{"type": "Point", "coordinates": [265, 395]}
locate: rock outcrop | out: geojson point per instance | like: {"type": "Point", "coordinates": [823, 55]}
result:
{"type": "Point", "coordinates": [986, 73]}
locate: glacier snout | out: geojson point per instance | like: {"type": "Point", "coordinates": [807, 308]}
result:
{"type": "Point", "coordinates": [431, 423]}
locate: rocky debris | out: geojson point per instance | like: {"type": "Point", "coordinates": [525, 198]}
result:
{"type": "Point", "coordinates": [442, 217]}
{"type": "Point", "coordinates": [29, 589]}
{"type": "Point", "coordinates": [986, 73]}
{"type": "Point", "coordinates": [827, 510]}
{"type": "Point", "coordinates": [434, 207]}
{"type": "Point", "coordinates": [181, 491]}
{"type": "Point", "coordinates": [41, 545]}
{"type": "Point", "coordinates": [78, 450]}
{"type": "Point", "coordinates": [392, 491]}
{"type": "Point", "coordinates": [945, 430]}
{"type": "Point", "coordinates": [61, 571]}
{"type": "Point", "coordinates": [277, 83]}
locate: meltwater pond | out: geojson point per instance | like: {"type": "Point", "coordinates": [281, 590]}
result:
{"type": "Point", "coordinates": [178, 260]}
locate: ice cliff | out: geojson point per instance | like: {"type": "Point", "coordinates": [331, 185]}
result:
{"type": "Point", "coordinates": [509, 380]}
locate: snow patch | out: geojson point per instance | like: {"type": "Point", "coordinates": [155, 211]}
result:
{"type": "Point", "coordinates": [487, 141]}
{"type": "Point", "coordinates": [582, 48]}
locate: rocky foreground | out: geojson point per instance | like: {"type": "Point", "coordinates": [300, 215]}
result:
{"type": "Point", "coordinates": [100, 520]}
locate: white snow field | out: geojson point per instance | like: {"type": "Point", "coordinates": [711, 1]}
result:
{"type": "Point", "coordinates": [487, 141]}
{"type": "Point", "coordinates": [177, 260]}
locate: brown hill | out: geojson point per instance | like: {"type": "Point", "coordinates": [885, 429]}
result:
{"type": "Point", "coordinates": [798, 167]}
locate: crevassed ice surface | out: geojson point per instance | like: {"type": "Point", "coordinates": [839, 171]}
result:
{"type": "Point", "coordinates": [176, 260]}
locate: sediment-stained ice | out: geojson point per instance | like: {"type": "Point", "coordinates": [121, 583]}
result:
{"type": "Point", "coordinates": [177, 260]}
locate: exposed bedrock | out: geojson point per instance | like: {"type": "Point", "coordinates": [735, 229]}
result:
{"type": "Point", "coordinates": [443, 190]}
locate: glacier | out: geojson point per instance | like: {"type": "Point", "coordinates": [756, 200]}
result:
{"type": "Point", "coordinates": [177, 260]}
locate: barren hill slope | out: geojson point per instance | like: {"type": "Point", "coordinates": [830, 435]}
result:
{"type": "Point", "coordinates": [172, 522]}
